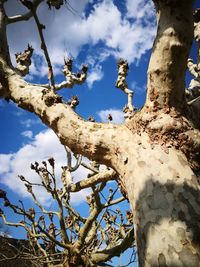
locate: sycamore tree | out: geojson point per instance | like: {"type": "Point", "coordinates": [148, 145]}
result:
{"type": "Point", "coordinates": [155, 152]}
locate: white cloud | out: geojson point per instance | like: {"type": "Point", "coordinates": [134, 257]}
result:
{"type": "Point", "coordinates": [67, 32]}
{"type": "Point", "coordinates": [117, 115]}
{"type": "Point", "coordinates": [44, 145]}
{"type": "Point", "coordinates": [5, 160]}
{"type": "Point", "coordinates": [28, 134]}
{"type": "Point", "coordinates": [95, 75]}
{"type": "Point", "coordinates": [59, 34]}
{"type": "Point", "coordinates": [121, 37]}
{"type": "Point", "coordinates": [140, 9]}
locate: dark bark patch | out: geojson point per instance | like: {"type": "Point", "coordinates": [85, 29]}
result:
{"type": "Point", "coordinates": [181, 216]}
{"type": "Point", "coordinates": [184, 210]}
{"type": "Point", "coordinates": [161, 260]}
{"type": "Point", "coordinates": [170, 188]}
{"type": "Point", "coordinates": [50, 98]}
{"type": "Point", "coordinates": [192, 192]}
{"type": "Point", "coordinates": [157, 200]}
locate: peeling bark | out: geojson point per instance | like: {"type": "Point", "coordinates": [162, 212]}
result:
{"type": "Point", "coordinates": [170, 51]}
{"type": "Point", "coordinates": [87, 138]}
{"type": "Point", "coordinates": [164, 193]}
{"type": "Point", "coordinates": [156, 153]}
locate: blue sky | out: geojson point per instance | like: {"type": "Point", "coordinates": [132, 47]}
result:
{"type": "Point", "coordinates": [97, 33]}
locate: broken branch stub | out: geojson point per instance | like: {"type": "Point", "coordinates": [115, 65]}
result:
{"type": "Point", "coordinates": [193, 91]}
{"type": "Point", "coordinates": [66, 177]}
{"type": "Point", "coordinates": [73, 102]}
{"type": "Point", "coordinates": [121, 83]}
{"type": "Point", "coordinates": [55, 3]}
{"type": "Point", "coordinates": [71, 77]}
{"type": "Point", "coordinates": [196, 16]}
{"type": "Point", "coordinates": [24, 60]}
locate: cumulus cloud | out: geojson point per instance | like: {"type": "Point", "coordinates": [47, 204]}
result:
{"type": "Point", "coordinates": [67, 32]}
{"type": "Point", "coordinates": [95, 75]}
{"type": "Point", "coordinates": [5, 160]}
{"type": "Point", "coordinates": [140, 9]}
{"type": "Point", "coordinates": [117, 115]}
{"type": "Point", "coordinates": [44, 145]}
{"type": "Point", "coordinates": [123, 38]}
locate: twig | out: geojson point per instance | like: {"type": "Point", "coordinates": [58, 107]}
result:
{"type": "Point", "coordinates": [40, 28]}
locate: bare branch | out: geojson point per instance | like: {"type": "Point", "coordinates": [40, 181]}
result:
{"type": "Point", "coordinates": [25, 16]}
{"type": "Point", "coordinates": [102, 139]}
{"type": "Point", "coordinates": [55, 3]}
{"type": "Point", "coordinates": [12, 223]}
{"type": "Point", "coordinates": [40, 206]}
{"type": "Point", "coordinates": [103, 176]}
{"type": "Point", "coordinates": [54, 240]}
{"type": "Point", "coordinates": [114, 202]}
{"type": "Point", "coordinates": [107, 254]}
{"type": "Point", "coordinates": [41, 27]}
{"type": "Point", "coordinates": [92, 167]}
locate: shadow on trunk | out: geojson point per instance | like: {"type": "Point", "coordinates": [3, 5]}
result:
{"type": "Point", "coordinates": [164, 210]}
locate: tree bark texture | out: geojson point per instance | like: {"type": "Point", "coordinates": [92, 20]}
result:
{"type": "Point", "coordinates": [166, 72]}
{"type": "Point", "coordinates": [156, 153]}
{"type": "Point", "coordinates": [166, 206]}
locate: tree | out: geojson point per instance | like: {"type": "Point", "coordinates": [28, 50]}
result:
{"type": "Point", "coordinates": [155, 152]}
{"type": "Point", "coordinates": [63, 235]}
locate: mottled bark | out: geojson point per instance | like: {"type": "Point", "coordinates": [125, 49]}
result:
{"type": "Point", "coordinates": [166, 72]}
{"type": "Point", "coordinates": [156, 153]}
{"type": "Point", "coordinates": [93, 140]}
{"type": "Point", "coordinates": [164, 194]}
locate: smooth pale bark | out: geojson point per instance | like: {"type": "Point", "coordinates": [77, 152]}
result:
{"type": "Point", "coordinates": [166, 72]}
{"type": "Point", "coordinates": [165, 199]}
{"type": "Point", "coordinates": [156, 153]}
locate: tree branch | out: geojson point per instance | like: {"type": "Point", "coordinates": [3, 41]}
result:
{"type": "Point", "coordinates": [107, 254]}
{"type": "Point", "coordinates": [25, 16]}
{"type": "Point", "coordinates": [94, 140]}
{"type": "Point", "coordinates": [44, 48]}
{"type": "Point", "coordinates": [99, 141]}
{"type": "Point", "coordinates": [103, 176]}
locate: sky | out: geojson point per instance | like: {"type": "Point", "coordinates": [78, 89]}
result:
{"type": "Point", "coordinates": [93, 32]}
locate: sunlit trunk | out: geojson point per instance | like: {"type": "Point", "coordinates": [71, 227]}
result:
{"type": "Point", "coordinates": [164, 195]}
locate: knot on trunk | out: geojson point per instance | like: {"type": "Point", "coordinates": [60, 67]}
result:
{"type": "Point", "coordinates": [50, 98]}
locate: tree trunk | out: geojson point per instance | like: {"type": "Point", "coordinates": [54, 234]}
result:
{"type": "Point", "coordinates": [161, 182]}
{"type": "Point", "coordinates": [165, 199]}
{"type": "Point", "coordinates": [167, 66]}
